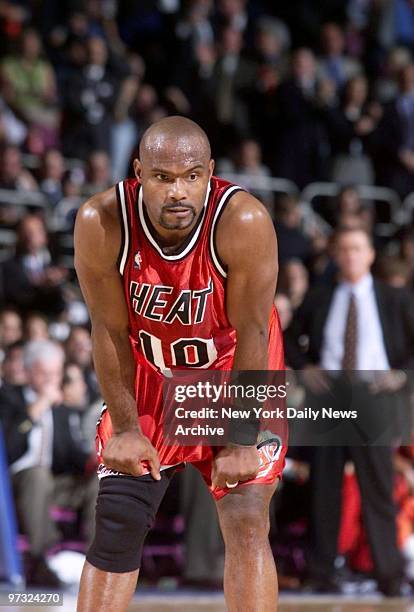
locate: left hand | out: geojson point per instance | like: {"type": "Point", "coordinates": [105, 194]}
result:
{"type": "Point", "coordinates": [235, 464]}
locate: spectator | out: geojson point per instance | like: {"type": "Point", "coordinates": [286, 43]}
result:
{"type": "Point", "coordinates": [386, 85]}
{"type": "Point", "coordinates": [45, 445]}
{"type": "Point", "coordinates": [233, 77]}
{"type": "Point", "coordinates": [79, 351]}
{"type": "Point", "coordinates": [12, 174]}
{"type": "Point", "coordinates": [194, 28]}
{"type": "Point", "coordinates": [11, 327]}
{"type": "Point", "coordinates": [32, 281]}
{"type": "Point", "coordinates": [232, 14]}
{"type": "Point", "coordinates": [52, 175]}
{"type": "Point", "coordinates": [75, 481]}
{"type": "Point", "coordinates": [334, 64]}
{"type": "Point", "coordinates": [248, 162]}
{"type": "Point", "coordinates": [196, 84]}
{"type": "Point", "coordinates": [272, 41]}
{"type": "Point", "coordinates": [349, 128]}
{"type": "Point", "coordinates": [36, 327]}
{"type": "Point", "coordinates": [124, 131]}
{"type": "Point", "coordinates": [395, 24]}
{"type": "Point", "coordinates": [395, 140]}
{"type": "Point", "coordinates": [349, 206]}
{"type": "Point", "coordinates": [30, 89]}
{"type": "Point", "coordinates": [293, 244]}
{"type": "Point", "coordinates": [13, 370]}
{"type": "Point", "coordinates": [299, 132]}
{"type": "Point", "coordinates": [293, 282]}
{"type": "Point", "coordinates": [26, 415]}
{"type": "Point", "coordinates": [98, 176]}
{"type": "Point", "coordinates": [89, 104]}
{"type": "Point", "coordinates": [146, 103]}
{"type": "Point", "coordinates": [355, 324]}
{"type": "Point", "coordinates": [65, 211]}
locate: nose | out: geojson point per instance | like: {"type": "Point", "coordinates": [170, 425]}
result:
{"type": "Point", "coordinates": [176, 191]}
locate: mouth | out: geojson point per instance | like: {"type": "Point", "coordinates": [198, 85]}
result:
{"type": "Point", "coordinates": [180, 212]}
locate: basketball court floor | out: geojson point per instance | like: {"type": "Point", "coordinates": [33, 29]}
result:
{"type": "Point", "coordinates": [215, 603]}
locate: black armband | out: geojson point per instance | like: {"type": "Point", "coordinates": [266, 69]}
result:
{"type": "Point", "coordinates": [244, 429]}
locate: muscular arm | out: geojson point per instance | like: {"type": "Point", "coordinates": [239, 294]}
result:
{"type": "Point", "coordinates": [97, 244]}
{"type": "Point", "coordinates": [247, 244]}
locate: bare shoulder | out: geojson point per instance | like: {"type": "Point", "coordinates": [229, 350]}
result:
{"type": "Point", "coordinates": [243, 208]}
{"type": "Point", "coordinates": [97, 230]}
{"type": "Point", "coordinates": [245, 227]}
{"type": "Point", "coordinates": [99, 209]}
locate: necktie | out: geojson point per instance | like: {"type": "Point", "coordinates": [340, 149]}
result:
{"type": "Point", "coordinates": [349, 360]}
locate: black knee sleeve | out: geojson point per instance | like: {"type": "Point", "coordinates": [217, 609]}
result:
{"type": "Point", "coordinates": [125, 511]}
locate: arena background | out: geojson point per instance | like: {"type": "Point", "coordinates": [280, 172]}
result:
{"type": "Point", "coordinates": [309, 105]}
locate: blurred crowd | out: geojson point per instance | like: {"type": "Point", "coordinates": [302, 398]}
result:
{"type": "Point", "coordinates": [302, 90]}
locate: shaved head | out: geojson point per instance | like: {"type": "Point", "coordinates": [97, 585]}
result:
{"type": "Point", "coordinates": [174, 136]}
{"type": "Point", "coordinates": [174, 168]}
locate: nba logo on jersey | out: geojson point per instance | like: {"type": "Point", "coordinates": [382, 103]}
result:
{"type": "Point", "coordinates": [137, 260]}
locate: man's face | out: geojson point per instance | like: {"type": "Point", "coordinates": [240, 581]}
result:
{"type": "Point", "coordinates": [34, 234]}
{"type": "Point", "coordinates": [14, 372]}
{"type": "Point", "coordinates": [10, 328]}
{"type": "Point", "coordinates": [354, 255]}
{"type": "Point", "coordinates": [75, 390]}
{"type": "Point", "coordinates": [79, 347]}
{"type": "Point", "coordinates": [45, 374]}
{"type": "Point", "coordinates": [174, 186]}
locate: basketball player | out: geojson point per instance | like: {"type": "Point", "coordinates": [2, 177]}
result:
{"type": "Point", "coordinates": [176, 264]}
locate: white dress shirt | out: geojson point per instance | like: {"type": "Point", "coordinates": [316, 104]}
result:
{"type": "Point", "coordinates": [371, 354]}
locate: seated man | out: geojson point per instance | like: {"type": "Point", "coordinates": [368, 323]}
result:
{"type": "Point", "coordinates": [40, 437]}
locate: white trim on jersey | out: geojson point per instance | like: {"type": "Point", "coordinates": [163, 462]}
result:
{"type": "Point", "coordinates": [154, 242]}
{"type": "Point", "coordinates": [126, 228]}
{"type": "Point", "coordinates": [220, 205]}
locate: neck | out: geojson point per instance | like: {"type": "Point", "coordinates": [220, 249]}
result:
{"type": "Point", "coordinates": [169, 240]}
{"type": "Point", "coordinates": [355, 279]}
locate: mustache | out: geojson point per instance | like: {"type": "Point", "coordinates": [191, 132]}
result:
{"type": "Point", "coordinates": [173, 205]}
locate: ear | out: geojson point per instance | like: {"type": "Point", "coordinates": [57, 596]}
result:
{"type": "Point", "coordinates": [211, 165]}
{"type": "Point", "coordinates": [137, 168]}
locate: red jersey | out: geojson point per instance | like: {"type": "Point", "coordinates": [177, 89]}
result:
{"type": "Point", "coordinates": [176, 305]}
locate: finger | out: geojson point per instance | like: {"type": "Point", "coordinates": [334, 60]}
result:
{"type": "Point", "coordinates": [213, 477]}
{"type": "Point", "coordinates": [154, 466]}
{"type": "Point", "coordinates": [136, 468]}
{"type": "Point", "coordinates": [219, 481]}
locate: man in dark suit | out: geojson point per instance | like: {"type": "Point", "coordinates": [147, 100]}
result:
{"type": "Point", "coordinates": [394, 138]}
{"type": "Point", "coordinates": [44, 444]}
{"type": "Point", "coordinates": [31, 280]}
{"type": "Point", "coordinates": [357, 324]}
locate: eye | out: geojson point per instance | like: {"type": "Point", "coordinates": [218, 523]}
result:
{"type": "Point", "coordinates": [161, 177]}
{"type": "Point", "coordinates": [193, 176]}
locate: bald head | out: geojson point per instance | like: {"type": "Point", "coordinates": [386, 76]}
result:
{"type": "Point", "coordinates": [174, 137]}
{"type": "Point", "coordinates": [174, 169]}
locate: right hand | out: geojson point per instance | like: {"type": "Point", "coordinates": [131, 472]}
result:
{"type": "Point", "coordinates": [49, 395]}
{"type": "Point", "coordinates": [124, 452]}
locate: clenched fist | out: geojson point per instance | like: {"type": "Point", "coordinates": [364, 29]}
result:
{"type": "Point", "coordinates": [125, 451]}
{"type": "Point", "coordinates": [235, 464]}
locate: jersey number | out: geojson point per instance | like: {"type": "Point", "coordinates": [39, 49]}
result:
{"type": "Point", "coordinates": [188, 352]}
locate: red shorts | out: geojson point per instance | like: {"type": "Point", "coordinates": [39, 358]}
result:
{"type": "Point", "coordinates": [271, 453]}
{"type": "Point", "coordinates": [272, 461]}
